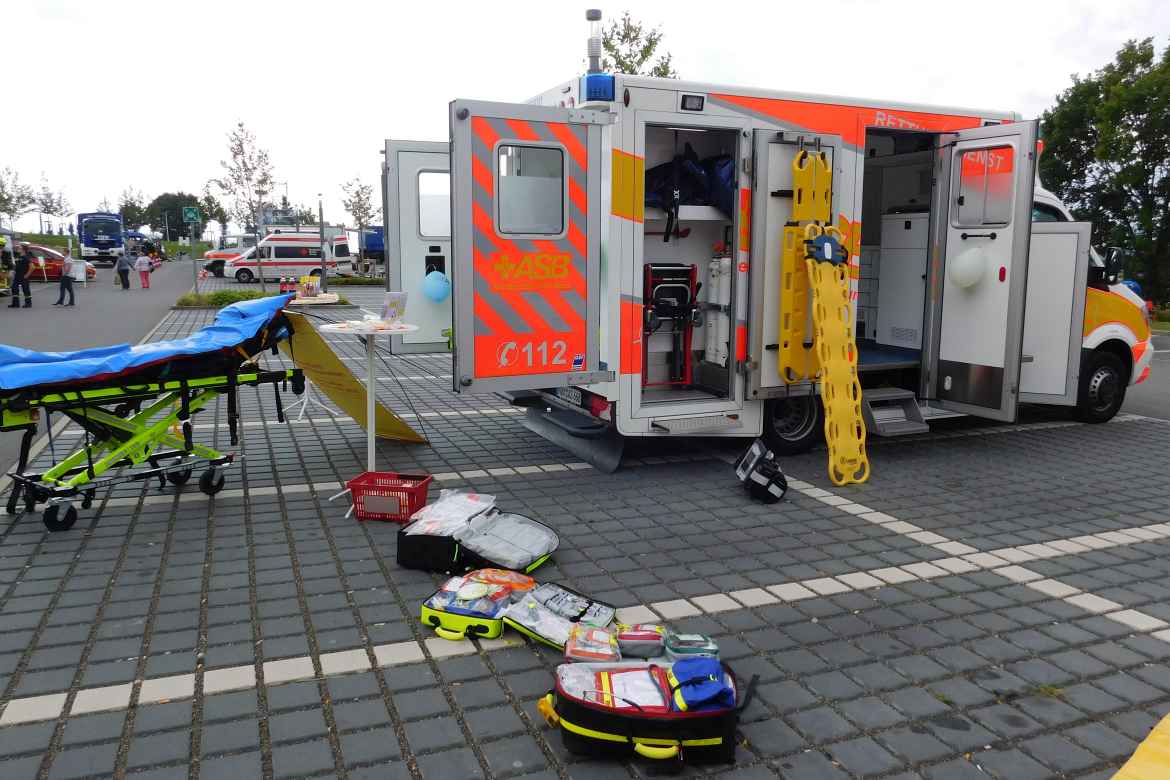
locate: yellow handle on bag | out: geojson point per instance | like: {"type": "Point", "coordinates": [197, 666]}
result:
{"type": "Point", "coordinates": [450, 634]}
{"type": "Point", "coordinates": [655, 752]}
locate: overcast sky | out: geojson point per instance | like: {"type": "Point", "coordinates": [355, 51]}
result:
{"type": "Point", "coordinates": [101, 96]}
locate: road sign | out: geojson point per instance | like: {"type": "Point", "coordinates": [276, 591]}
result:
{"type": "Point", "coordinates": [191, 214]}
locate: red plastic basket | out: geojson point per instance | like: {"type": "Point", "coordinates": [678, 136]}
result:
{"type": "Point", "coordinates": [384, 495]}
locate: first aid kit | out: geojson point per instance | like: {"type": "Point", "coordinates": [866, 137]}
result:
{"type": "Point", "coordinates": [682, 711]}
{"type": "Point", "coordinates": [463, 531]}
{"type": "Point", "coordinates": [550, 611]}
{"type": "Point", "coordinates": [473, 604]}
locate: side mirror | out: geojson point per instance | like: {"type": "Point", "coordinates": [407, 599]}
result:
{"type": "Point", "coordinates": [1115, 259]}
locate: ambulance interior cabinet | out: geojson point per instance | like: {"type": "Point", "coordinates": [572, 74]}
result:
{"type": "Point", "coordinates": [901, 288]}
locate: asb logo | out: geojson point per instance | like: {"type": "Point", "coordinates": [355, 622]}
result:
{"type": "Point", "coordinates": [531, 271]}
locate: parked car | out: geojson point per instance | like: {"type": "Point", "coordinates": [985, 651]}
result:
{"type": "Point", "coordinates": [46, 264]}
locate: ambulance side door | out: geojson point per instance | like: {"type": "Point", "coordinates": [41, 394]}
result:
{"type": "Point", "coordinates": [417, 235]}
{"type": "Point", "coordinates": [526, 246]}
{"type": "Point", "coordinates": [986, 221]}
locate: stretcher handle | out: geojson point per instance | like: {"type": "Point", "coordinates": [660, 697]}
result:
{"type": "Point", "coordinates": [450, 635]}
{"type": "Point", "coordinates": [655, 752]}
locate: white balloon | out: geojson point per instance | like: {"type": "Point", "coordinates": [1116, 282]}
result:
{"type": "Point", "coordinates": [966, 269]}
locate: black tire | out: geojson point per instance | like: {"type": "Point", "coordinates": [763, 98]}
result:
{"type": "Point", "coordinates": [211, 481]}
{"type": "Point", "coordinates": [315, 272]}
{"type": "Point", "coordinates": [1102, 389]}
{"type": "Point", "coordinates": [180, 477]}
{"type": "Point", "coordinates": [793, 425]}
{"type": "Point", "coordinates": [56, 520]}
{"type": "Point", "coordinates": [244, 276]}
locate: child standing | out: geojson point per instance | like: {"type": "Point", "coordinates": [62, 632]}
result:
{"type": "Point", "coordinates": [143, 266]}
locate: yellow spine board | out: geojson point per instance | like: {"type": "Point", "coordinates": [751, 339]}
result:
{"type": "Point", "coordinates": [837, 349]}
{"type": "Point", "coordinates": [812, 192]}
{"type": "Point", "coordinates": [1151, 760]}
{"type": "Point", "coordinates": [796, 358]}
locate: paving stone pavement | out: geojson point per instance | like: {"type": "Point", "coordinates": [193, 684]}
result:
{"type": "Point", "coordinates": [261, 634]}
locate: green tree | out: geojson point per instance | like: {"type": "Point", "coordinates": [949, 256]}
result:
{"type": "Point", "coordinates": [1107, 155]}
{"type": "Point", "coordinates": [629, 46]}
{"type": "Point", "coordinates": [16, 198]}
{"type": "Point", "coordinates": [247, 176]}
{"type": "Point", "coordinates": [132, 207]}
{"type": "Point", "coordinates": [212, 209]}
{"type": "Point", "coordinates": [166, 212]}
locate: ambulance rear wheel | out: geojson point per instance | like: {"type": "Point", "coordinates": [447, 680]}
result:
{"type": "Point", "coordinates": [1102, 390]}
{"type": "Point", "coordinates": [793, 425]}
{"type": "Point", "coordinates": [244, 276]}
{"type": "Point", "coordinates": [57, 520]}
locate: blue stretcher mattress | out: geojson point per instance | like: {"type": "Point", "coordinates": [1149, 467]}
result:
{"type": "Point", "coordinates": [235, 324]}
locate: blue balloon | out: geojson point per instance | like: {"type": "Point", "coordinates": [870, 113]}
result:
{"type": "Point", "coordinates": [436, 286]}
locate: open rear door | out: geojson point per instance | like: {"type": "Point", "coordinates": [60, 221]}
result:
{"type": "Point", "coordinates": [417, 207]}
{"type": "Point", "coordinates": [526, 223]}
{"type": "Point", "coordinates": [987, 222]}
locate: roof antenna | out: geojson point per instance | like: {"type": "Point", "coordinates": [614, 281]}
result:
{"type": "Point", "coordinates": [593, 16]}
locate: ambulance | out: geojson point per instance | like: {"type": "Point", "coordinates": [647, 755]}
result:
{"type": "Point", "coordinates": [290, 252]}
{"type": "Point", "coordinates": [615, 252]}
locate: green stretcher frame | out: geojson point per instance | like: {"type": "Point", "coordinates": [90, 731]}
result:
{"type": "Point", "coordinates": [138, 429]}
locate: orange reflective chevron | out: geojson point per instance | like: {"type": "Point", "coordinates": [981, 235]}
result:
{"type": "Point", "coordinates": [745, 219]}
{"type": "Point", "coordinates": [631, 335]}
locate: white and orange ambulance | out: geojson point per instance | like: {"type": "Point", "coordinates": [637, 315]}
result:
{"type": "Point", "coordinates": [585, 287]}
{"type": "Point", "coordinates": [290, 252]}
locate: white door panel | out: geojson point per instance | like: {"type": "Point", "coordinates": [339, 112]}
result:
{"type": "Point", "coordinates": [1058, 265]}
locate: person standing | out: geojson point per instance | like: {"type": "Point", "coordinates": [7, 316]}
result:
{"type": "Point", "coordinates": [20, 278]}
{"type": "Point", "coordinates": [144, 266]}
{"type": "Point", "coordinates": [123, 266]}
{"type": "Point", "coordinates": [68, 266]}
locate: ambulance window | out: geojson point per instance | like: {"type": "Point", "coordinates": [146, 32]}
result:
{"type": "Point", "coordinates": [1042, 212]}
{"type": "Point", "coordinates": [985, 186]}
{"type": "Point", "coordinates": [297, 252]}
{"type": "Point", "coordinates": [531, 181]}
{"type": "Point", "coordinates": [434, 204]}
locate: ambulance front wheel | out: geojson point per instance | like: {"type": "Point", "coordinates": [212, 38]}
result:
{"type": "Point", "coordinates": [793, 425]}
{"type": "Point", "coordinates": [1102, 390]}
{"type": "Point", "coordinates": [244, 276]}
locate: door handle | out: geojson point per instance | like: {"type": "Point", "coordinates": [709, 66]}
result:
{"type": "Point", "coordinates": [965, 236]}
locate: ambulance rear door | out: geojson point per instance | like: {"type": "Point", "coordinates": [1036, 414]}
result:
{"type": "Point", "coordinates": [417, 236]}
{"type": "Point", "coordinates": [979, 288]}
{"type": "Point", "coordinates": [526, 213]}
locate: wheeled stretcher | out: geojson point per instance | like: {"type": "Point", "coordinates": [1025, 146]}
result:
{"type": "Point", "coordinates": [135, 404]}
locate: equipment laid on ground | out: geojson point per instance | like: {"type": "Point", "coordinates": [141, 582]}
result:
{"type": "Point", "coordinates": [135, 404]}
{"type": "Point", "coordinates": [549, 612]}
{"type": "Point", "coordinates": [682, 711]}
{"type": "Point", "coordinates": [589, 643]}
{"type": "Point", "coordinates": [759, 472]}
{"type": "Point", "coordinates": [463, 531]}
{"type": "Point", "coordinates": [472, 605]}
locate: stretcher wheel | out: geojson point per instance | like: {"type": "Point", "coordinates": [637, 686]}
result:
{"type": "Point", "coordinates": [211, 481]}
{"type": "Point", "coordinates": [57, 520]}
{"type": "Point", "coordinates": [180, 477]}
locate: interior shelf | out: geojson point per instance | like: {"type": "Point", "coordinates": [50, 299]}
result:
{"type": "Point", "coordinates": [689, 214]}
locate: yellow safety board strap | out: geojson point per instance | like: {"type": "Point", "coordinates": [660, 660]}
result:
{"type": "Point", "coordinates": [1151, 760]}
{"type": "Point", "coordinates": [837, 350]}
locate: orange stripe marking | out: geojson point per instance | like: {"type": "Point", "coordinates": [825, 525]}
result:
{"type": "Point", "coordinates": [569, 139]}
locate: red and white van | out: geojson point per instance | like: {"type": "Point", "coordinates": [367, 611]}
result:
{"type": "Point", "coordinates": [288, 253]}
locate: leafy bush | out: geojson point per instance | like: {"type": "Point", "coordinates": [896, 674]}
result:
{"type": "Point", "coordinates": [221, 298]}
{"type": "Point", "coordinates": [358, 281]}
